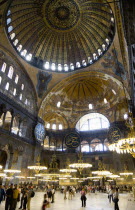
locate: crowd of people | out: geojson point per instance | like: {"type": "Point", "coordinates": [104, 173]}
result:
{"type": "Point", "coordinates": [13, 194]}
{"type": "Point", "coordinates": [24, 193]}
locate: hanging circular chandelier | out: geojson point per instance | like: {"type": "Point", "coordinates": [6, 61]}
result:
{"type": "Point", "coordinates": [20, 177]}
{"type": "Point", "coordinates": [123, 146]}
{"type": "Point", "coordinates": [2, 175]}
{"type": "Point", "coordinates": [126, 145]}
{"type": "Point", "coordinates": [68, 170]}
{"type": "Point", "coordinates": [94, 177]}
{"type": "Point", "coordinates": [114, 176]}
{"type": "Point", "coordinates": [80, 165]}
{"type": "Point", "coordinates": [36, 167]}
{"type": "Point", "coordinates": [126, 174]}
{"type": "Point", "coordinates": [12, 171]}
{"type": "Point", "coordinates": [102, 173]}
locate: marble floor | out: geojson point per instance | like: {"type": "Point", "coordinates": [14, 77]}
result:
{"type": "Point", "coordinates": [97, 201]}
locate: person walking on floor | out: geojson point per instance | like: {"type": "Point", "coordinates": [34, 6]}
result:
{"type": "Point", "coordinates": [16, 194]}
{"type": "Point", "coordinates": [110, 194]}
{"type": "Point", "coordinates": [116, 199]}
{"type": "Point", "coordinates": [9, 198]}
{"type": "Point", "coordinates": [83, 197]}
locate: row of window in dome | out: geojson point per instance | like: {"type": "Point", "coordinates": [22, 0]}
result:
{"type": "Point", "coordinates": [7, 85]}
{"type": "Point", "coordinates": [54, 126]}
{"type": "Point", "coordinates": [59, 67]}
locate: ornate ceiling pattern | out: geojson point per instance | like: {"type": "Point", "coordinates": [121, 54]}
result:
{"type": "Point", "coordinates": [60, 35]}
{"type": "Point", "coordinates": [76, 92]}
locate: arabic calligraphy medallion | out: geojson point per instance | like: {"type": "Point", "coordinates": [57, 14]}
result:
{"type": "Point", "coordinates": [72, 140]}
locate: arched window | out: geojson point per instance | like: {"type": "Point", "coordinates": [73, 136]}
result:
{"type": "Point", "coordinates": [65, 67]}
{"type": "Point", "coordinates": [85, 146]}
{"type": "Point", "coordinates": [48, 125]}
{"type": "Point", "coordinates": [20, 96]}
{"type": "Point", "coordinates": [60, 127]}
{"type": "Point", "coordinates": [14, 92]}
{"type": "Point", "coordinates": [29, 57]}
{"type": "Point", "coordinates": [100, 147]}
{"type": "Point", "coordinates": [12, 36]}
{"type": "Point", "coordinates": [15, 127]}
{"type": "Point", "coordinates": [8, 21]}
{"type": "Point", "coordinates": [7, 122]}
{"type": "Point", "coordinates": [53, 66]}
{"type": "Point", "coordinates": [72, 66]}
{"type": "Point", "coordinates": [10, 72]}
{"type": "Point", "coordinates": [10, 28]}
{"type": "Point", "coordinates": [46, 65]}
{"type": "Point", "coordinates": [78, 65]}
{"type": "Point", "coordinates": [23, 53]}
{"type": "Point", "coordinates": [59, 67]}
{"type": "Point", "coordinates": [92, 121]}
{"type": "Point", "coordinates": [54, 126]}
{"type": "Point", "coordinates": [84, 63]}
{"type": "Point", "coordinates": [15, 42]}
{"type": "Point", "coordinates": [22, 87]}
{"type": "Point", "coordinates": [7, 86]}
{"type": "Point", "coordinates": [9, 12]}
{"type": "Point", "coordinates": [19, 47]}
{"type": "Point", "coordinates": [16, 79]}
{"type": "Point", "coordinates": [3, 69]}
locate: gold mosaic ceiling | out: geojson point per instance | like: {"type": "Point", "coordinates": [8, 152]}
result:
{"type": "Point", "coordinates": [60, 35]}
{"type": "Point", "coordinates": [76, 92]}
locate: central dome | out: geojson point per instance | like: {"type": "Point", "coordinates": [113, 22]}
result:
{"type": "Point", "coordinates": [61, 15]}
{"type": "Point", "coordinates": [60, 35]}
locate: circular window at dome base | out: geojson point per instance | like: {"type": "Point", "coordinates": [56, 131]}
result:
{"type": "Point", "coordinates": [60, 35]}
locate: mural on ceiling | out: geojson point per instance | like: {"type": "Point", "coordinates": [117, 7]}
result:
{"type": "Point", "coordinates": [111, 61]}
{"type": "Point", "coordinates": [43, 80]}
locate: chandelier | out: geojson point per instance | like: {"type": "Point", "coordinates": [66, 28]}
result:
{"type": "Point", "coordinates": [36, 167]}
{"type": "Point", "coordinates": [114, 176]}
{"type": "Point", "coordinates": [80, 165]}
{"type": "Point", "coordinates": [14, 171]}
{"type": "Point", "coordinates": [101, 170]}
{"type": "Point", "coordinates": [1, 166]}
{"type": "Point", "coordinates": [68, 170]}
{"type": "Point", "coordinates": [20, 177]}
{"type": "Point", "coordinates": [102, 173]}
{"type": "Point", "coordinates": [126, 145]}
{"type": "Point", "coordinates": [2, 175]}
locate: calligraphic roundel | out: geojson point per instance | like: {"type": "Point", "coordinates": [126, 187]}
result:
{"type": "Point", "coordinates": [114, 134]}
{"type": "Point", "coordinates": [72, 140]}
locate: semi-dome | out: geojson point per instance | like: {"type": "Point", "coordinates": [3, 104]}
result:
{"type": "Point", "coordinates": [60, 35]}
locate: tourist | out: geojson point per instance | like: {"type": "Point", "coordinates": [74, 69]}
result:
{"type": "Point", "coordinates": [30, 194]}
{"type": "Point", "coordinates": [23, 191]}
{"type": "Point", "coordinates": [110, 194]}
{"type": "Point", "coordinates": [116, 199]}
{"type": "Point", "coordinates": [83, 197]}
{"type": "Point", "coordinates": [70, 193]}
{"type": "Point", "coordinates": [2, 193]}
{"type": "Point", "coordinates": [53, 193]}
{"type": "Point", "coordinates": [9, 198]}
{"type": "Point", "coordinates": [45, 202]}
{"type": "Point", "coordinates": [16, 195]}
{"type": "Point", "coordinates": [65, 193]}
{"type": "Point", "coordinates": [25, 199]}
